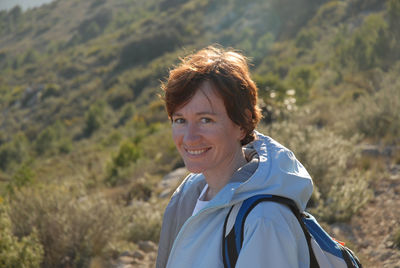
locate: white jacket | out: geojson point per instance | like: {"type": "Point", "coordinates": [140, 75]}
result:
{"type": "Point", "coordinates": [272, 234]}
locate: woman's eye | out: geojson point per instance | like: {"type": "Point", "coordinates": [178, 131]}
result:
{"type": "Point", "coordinates": [179, 121]}
{"type": "Point", "coordinates": [206, 120]}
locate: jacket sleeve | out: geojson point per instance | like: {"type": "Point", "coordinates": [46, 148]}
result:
{"type": "Point", "coordinates": [273, 238]}
{"type": "Point", "coordinates": [167, 234]}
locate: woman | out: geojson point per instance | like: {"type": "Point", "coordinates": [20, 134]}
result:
{"type": "Point", "coordinates": [212, 103]}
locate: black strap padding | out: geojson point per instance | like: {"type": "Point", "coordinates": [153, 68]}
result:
{"type": "Point", "coordinates": [229, 253]}
{"type": "Point", "coordinates": [348, 255]}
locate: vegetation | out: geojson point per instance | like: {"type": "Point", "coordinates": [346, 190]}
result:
{"type": "Point", "coordinates": [397, 238]}
{"type": "Point", "coordinates": [16, 252]}
{"type": "Point", "coordinates": [84, 138]}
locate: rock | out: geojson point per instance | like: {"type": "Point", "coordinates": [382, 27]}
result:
{"type": "Point", "coordinates": [152, 256]}
{"type": "Point", "coordinates": [147, 246]}
{"type": "Point", "coordinates": [138, 255]}
{"type": "Point", "coordinates": [171, 180]}
{"type": "Point", "coordinates": [370, 150]}
{"type": "Point", "coordinates": [125, 253]}
{"type": "Point", "coordinates": [165, 194]}
{"type": "Point", "coordinates": [384, 255]}
{"type": "Point", "coordinates": [125, 259]}
{"type": "Point", "coordinates": [174, 177]}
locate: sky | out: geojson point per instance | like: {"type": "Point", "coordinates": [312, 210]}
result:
{"type": "Point", "coordinates": [25, 4]}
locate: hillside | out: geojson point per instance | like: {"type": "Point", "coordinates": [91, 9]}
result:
{"type": "Point", "coordinates": [24, 4]}
{"type": "Point", "coordinates": [84, 138]}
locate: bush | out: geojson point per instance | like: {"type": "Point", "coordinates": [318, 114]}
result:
{"type": "Point", "coordinates": [396, 238]}
{"type": "Point", "coordinates": [339, 190]}
{"type": "Point", "coordinates": [393, 8]}
{"type": "Point", "coordinates": [45, 141]}
{"type": "Point", "coordinates": [368, 46]}
{"type": "Point", "coordinates": [49, 139]}
{"type": "Point", "coordinates": [23, 176]}
{"type": "Point", "coordinates": [375, 116]}
{"type": "Point", "coordinates": [128, 154]}
{"type": "Point", "coordinates": [149, 47]}
{"type": "Point", "coordinates": [72, 228]}
{"type": "Point", "coordinates": [16, 251]}
{"type": "Point", "coordinates": [51, 90]}
{"type": "Point", "coordinates": [127, 114]}
{"type": "Point", "coordinates": [13, 152]}
{"type": "Point", "coordinates": [301, 79]}
{"type": "Point", "coordinates": [305, 39]}
{"type": "Point", "coordinates": [93, 119]}
{"type": "Point", "coordinates": [346, 196]}
{"type": "Point", "coordinates": [144, 221]}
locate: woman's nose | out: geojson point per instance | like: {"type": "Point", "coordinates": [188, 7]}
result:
{"type": "Point", "coordinates": [191, 134]}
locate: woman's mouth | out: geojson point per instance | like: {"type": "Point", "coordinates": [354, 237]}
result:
{"type": "Point", "coordinates": [197, 151]}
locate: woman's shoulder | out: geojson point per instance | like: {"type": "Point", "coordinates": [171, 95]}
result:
{"type": "Point", "coordinates": [272, 213]}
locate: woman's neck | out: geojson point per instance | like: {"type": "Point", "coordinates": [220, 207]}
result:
{"type": "Point", "coordinates": [217, 180]}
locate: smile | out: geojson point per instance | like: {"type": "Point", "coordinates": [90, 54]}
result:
{"type": "Point", "coordinates": [197, 152]}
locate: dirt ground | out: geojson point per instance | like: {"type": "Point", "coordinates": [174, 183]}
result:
{"type": "Point", "coordinates": [373, 229]}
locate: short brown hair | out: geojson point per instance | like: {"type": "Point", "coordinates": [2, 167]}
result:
{"type": "Point", "coordinates": [228, 73]}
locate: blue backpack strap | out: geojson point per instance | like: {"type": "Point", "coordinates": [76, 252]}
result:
{"type": "Point", "coordinates": [232, 243]}
{"type": "Point", "coordinates": [327, 244]}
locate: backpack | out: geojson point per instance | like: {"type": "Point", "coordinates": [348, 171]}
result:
{"type": "Point", "coordinates": [324, 250]}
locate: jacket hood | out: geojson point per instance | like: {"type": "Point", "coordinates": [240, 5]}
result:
{"type": "Point", "coordinates": [278, 173]}
{"type": "Point", "coordinates": [273, 170]}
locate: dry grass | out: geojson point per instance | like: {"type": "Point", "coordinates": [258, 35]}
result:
{"type": "Point", "coordinates": [72, 227]}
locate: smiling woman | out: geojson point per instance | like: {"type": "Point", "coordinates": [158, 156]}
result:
{"type": "Point", "coordinates": [212, 103]}
{"type": "Point", "coordinates": [207, 140]}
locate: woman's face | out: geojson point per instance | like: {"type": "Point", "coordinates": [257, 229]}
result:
{"type": "Point", "coordinates": [205, 136]}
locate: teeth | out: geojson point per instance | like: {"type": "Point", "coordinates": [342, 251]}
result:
{"type": "Point", "coordinates": [196, 152]}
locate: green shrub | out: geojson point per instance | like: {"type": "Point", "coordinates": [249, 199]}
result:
{"type": "Point", "coordinates": [23, 176]}
{"type": "Point", "coordinates": [51, 90]}
{"type": "Point", "coordinates": [49, 139]}
{"type": "Point", "coordinates": [114, 138]}
{"type": "Point", "coordinates": [25, 251]}
{"type": "Point", "coordinates": [128, 153]}
{"type": "Point", "coordinates": [368, 46]}
{"type": "Point", "coordinates": [393, 7]}
{"type": "Point", "coordinates": [73, 228]}
{"type": "Point", "coordinates": [45, 141]}
{"type": "Point", "coordinates": [127, 114]}
{"type": "Point", "coordinates": [305, 39]}
{"type": "Point", "coordinates": [117, 170]}
{"type": "Point", "coordinates": [93, 119]}
{"type": "Point", "coordinates": [31, 56]}
{"type": "Point", "coordinates": [65, 146]}
{"type": "Point", "coordinates": [14, 152]}
{"type": "Point", "coordinates": [119, 95]}
{"type": "Point", "coordinates": [301, 79]}
{"type": "Point", "coordinates": [330, 13]}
